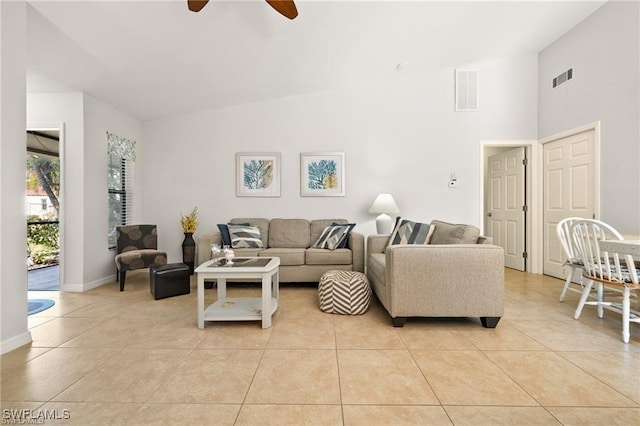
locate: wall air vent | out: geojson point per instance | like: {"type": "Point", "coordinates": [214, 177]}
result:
{"type": "Point", "coordinates": [562, 78]}
{"type": "Point", "coordinates": [466, 90]}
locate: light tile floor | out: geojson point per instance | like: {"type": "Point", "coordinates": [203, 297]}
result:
{"type": "Point", "coordinates": [110, 357]}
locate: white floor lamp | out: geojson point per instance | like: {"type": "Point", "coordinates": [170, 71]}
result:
{"type": "Point", "coordinates": [384, 205]}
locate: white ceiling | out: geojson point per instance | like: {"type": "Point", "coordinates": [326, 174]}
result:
{"type": "Point", "coordinates": [155, 58]}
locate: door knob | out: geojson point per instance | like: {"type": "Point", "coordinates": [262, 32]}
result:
{"type": "Point", "coordinates": [489, 214]}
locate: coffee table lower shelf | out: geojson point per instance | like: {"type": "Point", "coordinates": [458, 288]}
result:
{"type": "Point", "coordinates": [238, 309]}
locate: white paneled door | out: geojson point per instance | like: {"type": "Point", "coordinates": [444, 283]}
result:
{"type": "Point", "coordinates": [505, 205]}
{"type": "Point", "coordinates": [568, 190]}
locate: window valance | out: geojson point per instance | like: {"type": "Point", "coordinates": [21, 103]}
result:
{"type": "Point", "coordinates": [121, 147]}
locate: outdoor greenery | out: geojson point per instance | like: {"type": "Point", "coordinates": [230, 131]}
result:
{"type": "Point", "coordinates": [42, 242]}
{"type": "Point", "coordinates": [44, 172]}
{"type": "Point", "coordinates": [43, 238]}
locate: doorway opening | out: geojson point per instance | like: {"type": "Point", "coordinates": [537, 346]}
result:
{"type": "Point", "coordinates": [42, 203]}
{"type": "Point", "coordinates": [507, 197]}
{"type": "Point", "coordinates": [535, 191]}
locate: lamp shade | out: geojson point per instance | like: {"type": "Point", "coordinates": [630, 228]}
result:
{"type": "Point", "coordinates": [384, 203]}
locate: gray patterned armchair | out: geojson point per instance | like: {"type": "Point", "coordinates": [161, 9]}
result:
{"type": "Point", "coordinates": [137, 248]}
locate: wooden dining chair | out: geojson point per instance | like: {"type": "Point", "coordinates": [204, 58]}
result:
{"type": "Point", "coordinates": [606, 269]}
{"type": "Point", "coordinates": [571, 260]}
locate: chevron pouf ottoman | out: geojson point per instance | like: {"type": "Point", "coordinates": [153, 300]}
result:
{"type": "Point", "coordinates": [344, 292]}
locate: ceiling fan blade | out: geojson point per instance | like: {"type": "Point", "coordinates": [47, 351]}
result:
{"type": "Point", "coordinates": [284, 7]}
{"type": "Point", "coordinates": [196, 5]}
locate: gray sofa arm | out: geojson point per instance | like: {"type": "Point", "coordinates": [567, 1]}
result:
{"type": "Point", "coordinates": [356, 244]}
{"type": "Point", "coordinates": [445, 280]}
{"type": "Point", "coordinates": [204, 246]}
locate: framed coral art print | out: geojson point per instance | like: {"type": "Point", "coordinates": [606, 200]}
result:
{"type": "Point", "coordinates": [257, 174]}
{"type": "Point", "coordinates": [322, 174]}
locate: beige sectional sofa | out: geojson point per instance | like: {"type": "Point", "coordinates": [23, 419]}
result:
{"type": "Point", "coordinates": [440, 279]}
{"type": "Point", "coordinates": [291, 241]}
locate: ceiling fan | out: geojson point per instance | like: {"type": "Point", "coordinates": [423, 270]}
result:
{"type": "Point", "coordinates": [284, 7]}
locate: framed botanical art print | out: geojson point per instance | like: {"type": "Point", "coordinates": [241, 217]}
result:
{"type": "Point", "coordinates": [322, 174]}
{"type": "Point", "coordinates": [258, 174]}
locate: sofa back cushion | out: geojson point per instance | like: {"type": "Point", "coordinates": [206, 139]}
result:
{"type": "Point", "coordinates": [315, 256]}
{"type": "Point", "coordinates": [482, 239]}
{"type": "Point", "coordinates": [260, 223]}
{"type": "Point", "coordinates": [289, 233]}
{"type": "Point", "coordinates": [450, 233]}
{"type": "Point", "coordinates": [318, 225]}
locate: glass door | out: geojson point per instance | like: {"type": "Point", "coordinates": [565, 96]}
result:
{"type": "Point", "coordinates": [42, 208]}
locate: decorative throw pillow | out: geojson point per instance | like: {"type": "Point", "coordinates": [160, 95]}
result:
{"type": "Point", "coordinates": [224, 233]}
{"type": "Point", "coordinates": [393, 231]}
{"type": "Point", "coordinates": [408, 232]}
{"type": "Point", "coordinates": [453, 233]}
{"type": "Point", "coordinates": [345, 241]}
{"type": "Point", "coordinates": [243, 236]}
{"type": "Point", "coordinates": [332, 237]}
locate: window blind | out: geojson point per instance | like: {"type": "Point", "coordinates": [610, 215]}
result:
{"type": "Point", "coordinates": [121, 156]}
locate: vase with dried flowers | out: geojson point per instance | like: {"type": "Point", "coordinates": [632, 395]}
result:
{"type": "Point", "coordinates": [189, 225]}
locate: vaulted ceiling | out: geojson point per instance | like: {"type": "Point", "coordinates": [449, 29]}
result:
{"type": "Point", "coordinates": [156, 58]}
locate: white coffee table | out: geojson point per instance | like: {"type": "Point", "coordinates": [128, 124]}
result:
{"type": "Point", "coordinates": [240, 308]}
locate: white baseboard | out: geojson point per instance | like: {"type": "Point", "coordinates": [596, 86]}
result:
{"type": "Point", "coordinates": [15, 342]}
{"type": "Point", "coordinates": [79, 288]}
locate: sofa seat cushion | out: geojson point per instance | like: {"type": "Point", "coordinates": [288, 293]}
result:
{"type": "Point", "coordinates": [288, 256]}
{"type": "Point", "coordinates": [376, 266]}
{"type": "Point", "coordinates": [316, 256]}
{"type": "Point", "coordinates": [289, 233]}
{"type": "Point", "coordinates": [450, 233]}
{"type": "Point", "coordinates": [138, 259]}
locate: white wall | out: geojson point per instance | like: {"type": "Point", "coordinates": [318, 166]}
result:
{"type": "Point", "coordinates": [66, 110]}
{"type": "Point", "coordinates": [99, 118]}
{"type": "Point", "coordinates": [604, 51]}
{"type": "Point", "coordinates": [87, 262]}
{"type": "Point", "coordinates": [13, 271]}
{"type": "Point", "coordinates": [400, 136]}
